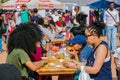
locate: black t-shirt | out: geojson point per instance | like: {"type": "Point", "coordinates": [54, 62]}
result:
{"type": "Point", "coordinates": [9, 72]}
{"type": "Point", "coordinates": [1, 24]}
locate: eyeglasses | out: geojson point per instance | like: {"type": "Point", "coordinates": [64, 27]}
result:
{"type": "Point", "coordinates": [88, 35]}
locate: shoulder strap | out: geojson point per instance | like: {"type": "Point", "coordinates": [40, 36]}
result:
{"type": "Point", "coordinates": [99, 45]}
{"type": "Point", "coordinates": [96, 47]}
{"type": "Point", "coordinates": [106, 47]}
{"type": "Point", "coordinates": [112, 16]}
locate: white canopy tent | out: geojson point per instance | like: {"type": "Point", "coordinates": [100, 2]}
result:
{"type": "Point", "coordinates": [9, 4]}
{"type": "Point", "coordinates": [57, 4]}
{"type": "Point", "coordinates": [13, 4]}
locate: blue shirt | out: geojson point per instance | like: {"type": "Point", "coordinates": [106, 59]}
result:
{"type": "Point", "coordinates": [83, 56]}
{"type": "Point", "coordinates": [85, 53]}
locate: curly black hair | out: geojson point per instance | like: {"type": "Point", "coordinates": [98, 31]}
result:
{"type": "Point", "coordinates": [35, 10]}
{"type": "Point", "coordinates": [81, 18]}
{"type": "Point", "coordinates": [40, 21]}
{"type": "Point", "coordinates": [78, 30]}
{"type": "Point", "coordinates": [25, 37]}
{"type": "Point", "coordinates": [96, 28]}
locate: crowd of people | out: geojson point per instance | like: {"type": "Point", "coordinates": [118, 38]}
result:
{"type": "Point", "coordinates": [28, 36]}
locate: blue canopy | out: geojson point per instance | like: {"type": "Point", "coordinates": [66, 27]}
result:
{"type": "Point", "coordinates": [101, 4]}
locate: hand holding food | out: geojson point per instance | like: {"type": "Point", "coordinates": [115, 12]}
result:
{"type": "Point", "coordinates": [69, 48]}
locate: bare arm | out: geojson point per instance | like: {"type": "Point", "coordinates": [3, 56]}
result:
{"type": "Point", "coordinates": [33, 65]}
{"type": "Point", "coordinates": [105, 14]}
{"type": "Point", "coordinates": [74, 54]}
{"type": "Point", "coordinates": [19, 14]}
{"type": "Point", "coordinates": [101, 53]}
{"type": "Point", "coordinates": [117, 17]}
{"type": "Point", "coordinates": [116, 62]}
{"type": "Point", "coordinates": [47, 46]}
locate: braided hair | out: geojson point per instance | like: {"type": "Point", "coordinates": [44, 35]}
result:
{"type": "Point", "coordinates": [96, 28]}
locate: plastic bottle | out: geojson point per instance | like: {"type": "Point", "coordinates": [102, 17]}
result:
{"type": "Point", "coordinates": [49, 55]}
{"type": "Point", "coordinates": [62, 52]}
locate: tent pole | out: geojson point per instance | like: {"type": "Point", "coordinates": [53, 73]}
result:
{"type": "Point", "coordinates": [0, 5]}
{"type": "Point", "coordinates": [80, 4]}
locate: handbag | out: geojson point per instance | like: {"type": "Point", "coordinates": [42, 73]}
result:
{"type": "Point", "coordinates": [83, 75]}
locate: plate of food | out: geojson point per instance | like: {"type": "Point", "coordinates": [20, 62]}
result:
{"type": "Point", "coordinates": [59, 66]}
{"type": "Point", "coordinates": [51, 64]}
{"type": "Point", "coordinates": [44, 57]}
{"type": "Point", "coordinates": [61, 60]}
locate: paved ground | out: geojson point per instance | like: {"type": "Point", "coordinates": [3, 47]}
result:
{"type": "Point", "coordinates": [4, 55]}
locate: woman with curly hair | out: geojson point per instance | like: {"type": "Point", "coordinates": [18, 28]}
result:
{"type": "Point", "coordinates": [22, 43]}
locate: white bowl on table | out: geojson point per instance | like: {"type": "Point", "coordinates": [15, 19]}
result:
{"type": "Point", "coordinates": [61, 60]}
{"type": "Point", "coordinates": [44, 57]}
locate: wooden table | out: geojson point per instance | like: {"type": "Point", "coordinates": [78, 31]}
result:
{"type": "Point", "coordinates": [52, 71]}
{"type": "Point", "coordinates": [56, 41]}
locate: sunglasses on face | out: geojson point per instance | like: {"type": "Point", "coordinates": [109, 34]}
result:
{"type": "Point", "coordinates": [88, 35]}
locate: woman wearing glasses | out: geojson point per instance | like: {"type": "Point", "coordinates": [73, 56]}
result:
{"type": "Point", "coordinates": [99, 62]}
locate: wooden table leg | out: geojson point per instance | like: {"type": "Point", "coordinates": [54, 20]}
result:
{"type": "Point", "coordinates": [72, 76]}
{"type": "Point", "coordinates": [40, 77]}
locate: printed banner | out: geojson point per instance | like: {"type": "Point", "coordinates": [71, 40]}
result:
{"type": "Point", "coordinates": [45, 0]}
{"type": "Point", "coordinates": [23, 0]}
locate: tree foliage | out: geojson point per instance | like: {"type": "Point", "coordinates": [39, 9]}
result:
{"type": "Point", "coordinates": [2, 1]}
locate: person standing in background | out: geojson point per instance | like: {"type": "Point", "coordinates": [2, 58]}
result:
{"type": "Point", "coordinates": [111, 20]}
{"type": "Point", "coordinates": [35, 16]}
{"type": "Point", "coordinates": [24, 14]}
{"type": "Point", "coordinates": [17, 18]}
{"type": "Point", "coordinates": [91, 17]}
{"type": "Point", "coordinates": [1, 22]}
{"type": "Point", "coordinates": [96, 14]}
{"type": "Point", "coordinates": [6, 16]}
{"type": "Point", "coordinates": [77, 11]}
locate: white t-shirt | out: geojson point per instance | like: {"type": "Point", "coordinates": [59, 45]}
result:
{"type": "Point", "coordinates": [47, 32]}
{"type": "Point", "coordinates": [18, 19]}
{"type": "Point", "coordinates": [108, 19]}
{"type": "Point", "coordinates": [117, 55]}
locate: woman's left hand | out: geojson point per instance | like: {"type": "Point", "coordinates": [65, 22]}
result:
{"type": "Point", "coordinates": [69, 64]}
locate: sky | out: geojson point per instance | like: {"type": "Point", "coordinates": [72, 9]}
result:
{"type": "Point", "coordinates": [86, 2]}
